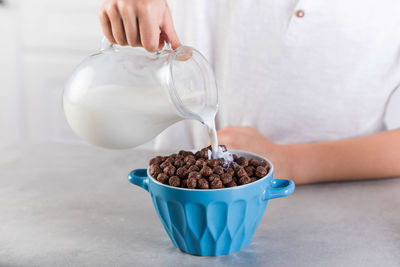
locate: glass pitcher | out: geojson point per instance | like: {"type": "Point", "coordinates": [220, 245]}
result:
{"type": "Point", "coordinates": [122, 97]}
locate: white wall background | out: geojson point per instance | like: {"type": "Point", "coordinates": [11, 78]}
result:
{"type": "Point", "coordinates": [41, 42]}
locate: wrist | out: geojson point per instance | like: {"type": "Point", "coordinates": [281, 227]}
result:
{"type": "Point", "coordinates": [293, 162]}
{"type": "Point", "coordinates": [285, 162]}
{"type": "Point", "coordinates": [282, 158]}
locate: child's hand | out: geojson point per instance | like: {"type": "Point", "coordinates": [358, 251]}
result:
{"type": "Point", "coordinates": [245, 138]}
{"type": "Point", "coordinates": [146, 23]}
{"type": "Point", "coordinates": [249, 139]}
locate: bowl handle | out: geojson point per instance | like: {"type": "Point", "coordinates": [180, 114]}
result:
{"type": "Point", "coordinates": [139, 177]}
{"type": "Point", "coordinates": [279, 188]}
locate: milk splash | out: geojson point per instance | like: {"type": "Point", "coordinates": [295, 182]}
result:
{"type": "Point", "coordinates": [217, 152]}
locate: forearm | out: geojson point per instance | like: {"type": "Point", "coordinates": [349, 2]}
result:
{"type": "Point", "coordinates": [373, 156]}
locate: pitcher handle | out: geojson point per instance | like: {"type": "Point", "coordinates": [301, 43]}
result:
{"type": "Point", "coordinates": [139, 177]}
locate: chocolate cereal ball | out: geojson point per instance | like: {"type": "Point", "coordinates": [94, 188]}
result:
{"type": "Point", "coordinates": [192, 183]}
{"type": "Point", "coordinates": [204, 153]}
{"type": "Point", "coordinates": [218, 170]}
{"type": "Point", "coordinates": [261, 171]}
{"type": "Point", "coordinates": [156, 160]}
{"type": "Point", "coordinates": [174, 181]}
{"type": "Point", "coordinates": [194, 168]}
{"type": "Point", "coordinates": [206, 171]}
{"type": "Point", "coordinates": [183, 153]}
{"type": "Point", "coordinates": [264, 164]}
{"type": "Point", "coordinates": [212, 163]}
{"type": "Point", "coordinates": [154, 170]}
{"type": "Point", "coordinates": [253, 179]}
{"type": "Point", "coordinates": [165, 164]}
{"type": "Point", "coordinates": [200, 163]}
{"type": "Point", "coordinates": [182, 172]}
{"type": "Point", "coordinates": [239, 170]}
{"type": "Point", "coordinates": [178, 163]}
{"type": "Point", "coordinates": [189, 158]}
{"type": "Point", "coordinates": [231, 184]}
{"type": "Point", "coordinates": [212, 177]}
{"type": "Point", "coordinates": [180, 157]}
{"type": "Point", "coordinates": [230, 171]}
{"type": "Point", "coordinates": [195, 175]}
{"type": "Point", "coordinates": [203, 183]}
{"type": "Point", "coordinates": [226, 178]}
{"type": "Point", "coordinates": [244, 180]}
{"type": "Point", "coordinates": [249, 170]}
{"type": "Point", "coordinates": [170, 159]}
{"type": "Point", "coordinates": [162, 177]}
{"type": "Point", "coordinates": [254, 163]}
{"type": "Point", "coordinates": [216, 184]}
{"type": "Point", "coordinates": [242, 161]}
{"type": "Point", "coordinates": [169, 170]}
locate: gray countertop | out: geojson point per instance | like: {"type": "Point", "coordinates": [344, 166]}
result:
{"type": "Point", "coordinates": [71, 205]}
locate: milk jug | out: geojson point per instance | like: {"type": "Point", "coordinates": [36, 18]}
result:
{"type": "Point", "coordinates": [122, 97]}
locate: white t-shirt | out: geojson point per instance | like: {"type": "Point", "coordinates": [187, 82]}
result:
{"type": "Point", "coordinates": [297, 71]}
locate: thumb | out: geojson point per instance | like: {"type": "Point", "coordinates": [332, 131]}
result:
{"type": "Point", "coordinates": [168, 28]}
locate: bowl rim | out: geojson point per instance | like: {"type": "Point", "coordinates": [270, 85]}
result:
{"type": "Point", "coordinates": [235, 151]}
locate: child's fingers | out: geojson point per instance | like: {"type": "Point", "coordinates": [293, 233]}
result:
{"type": "Point", "coordinates": [162, 40]}
{"type": "Point", "coordinates": [149, 31]}
{"type": "Point", "coordinates": [169, 29]}
{"type": "Point", "coordinates": [117, 27]}
{"type": "Point", "coordinates": [106, 26]}
{"type": "Point", "coordinates": [131, 27]}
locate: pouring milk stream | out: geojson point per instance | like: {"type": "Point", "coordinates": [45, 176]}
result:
{"type": "Point", "coordinates": [123, 97]}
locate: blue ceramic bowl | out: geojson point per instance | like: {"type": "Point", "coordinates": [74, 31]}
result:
{"type": "Point", "coordinates": [212, 222]}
